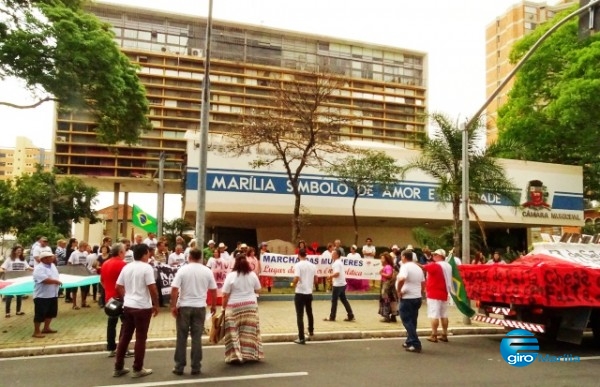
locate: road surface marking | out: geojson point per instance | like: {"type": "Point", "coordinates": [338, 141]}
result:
{"type": "Point", "coordinates": [211, 380]}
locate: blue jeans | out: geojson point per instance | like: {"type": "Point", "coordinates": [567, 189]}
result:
{"type": "Point", "coordinates": [190, 321]}
{"type": "Point", "coordinates": [301, 302]}
{"type": "Point", "coordinates": [409, 312]}
{"type": "Point", "coordinates": [339, 292]}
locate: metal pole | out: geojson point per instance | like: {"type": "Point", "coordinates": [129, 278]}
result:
{"type": "Point", "coordinates": [203, 149]}
{"type": "Point", "coordinates": [465, 153]}
{"type": "Point", "coordinates": [466, 233]}
{"type": "Point", "coordinates": [161, 194]}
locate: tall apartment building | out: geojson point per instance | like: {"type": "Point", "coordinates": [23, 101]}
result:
{"type": "Point", "coordinates": [500, 35]}
{"type": "Point", "coordinates": [23, 158]}
{"type": "Point", "coordinates": [385, 90]}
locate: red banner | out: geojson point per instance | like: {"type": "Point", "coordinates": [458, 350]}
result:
{"type": "Point", "coordinates": [533, 280]}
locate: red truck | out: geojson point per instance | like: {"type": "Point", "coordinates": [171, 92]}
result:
{"type": "Point", "coordinates": [554, 290]}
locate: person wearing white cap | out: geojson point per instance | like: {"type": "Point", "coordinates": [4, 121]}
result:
{"type": "Point", "coordinates": [45, 294]}
{"type": "Point", "coordinates": [225, 255]}
{"type": "Point", "coordinates": [439, 281]}
{"type": "Point", "coordinates": [208, 250]}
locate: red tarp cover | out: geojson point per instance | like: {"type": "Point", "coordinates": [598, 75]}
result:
{"type": "Point", "coordinates": [534, 280]}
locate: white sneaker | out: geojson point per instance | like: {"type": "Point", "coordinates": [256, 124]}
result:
{"type": "Point", "coordinates": [121, 372]}
{"type": "Point", "coordinates": [142, 372]}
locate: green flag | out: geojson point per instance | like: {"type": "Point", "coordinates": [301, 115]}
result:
{"type": "Point", "coordinates": [143, 220]}
{"type": "Point", "coordinates": [458, 292]}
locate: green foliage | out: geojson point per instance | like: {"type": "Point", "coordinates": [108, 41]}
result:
{"type": "Point", "coordinates": [173, 229]}
{"type": "Point", "coordinates": [40, 200]}
{"type": "Point", "coordinates": [441, 158]}
{"type": "Point", "coordinates": [443, 238]}
{"type": "Point", "coordinates": [364, 171]}
{"type": "Point", "coordinates": [6, 214]}
{"type": "Point", "coordinates": [65, 54]}
{"type": "Point", "coordinates": [552, 108]}
{"type": "Point", "coordinates": [31, 234]}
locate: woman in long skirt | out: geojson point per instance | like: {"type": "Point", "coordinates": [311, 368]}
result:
{"type": "Point", "coordinates": [242, 327]}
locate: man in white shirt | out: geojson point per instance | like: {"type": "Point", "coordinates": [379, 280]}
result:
{"type": "Point", "coordinates": [410, 284]}
{"type": "Point", "coordinates": [38, 248]}
{"type": "Point", "coordinates": [368, 250]}
{"type": "Point", "coordinates": [177, 258]}
{"type": "Point", "coordinates": [137, 286]}
{"type": "Point", "coordinates": [188, 306]}
{"type": "Point", "coordinates": [338, 277]}
{"type": "Point", "coordinates": [304, 279]}
{"type": "Point", "coordinates": [225, 255]}
{"type": "Point", "coordinates": [151, 240]}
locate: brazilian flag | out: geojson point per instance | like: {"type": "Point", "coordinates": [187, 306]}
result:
{"type": "Point", "coordinates": [143, 220]}
{"type": "Point", "coordinates": [458, 292]}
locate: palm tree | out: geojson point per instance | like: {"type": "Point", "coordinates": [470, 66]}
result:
{"type": "Point", "coordinates": [441, 158]}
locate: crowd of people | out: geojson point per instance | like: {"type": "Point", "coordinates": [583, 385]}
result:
{"type": "Point", "coordinates": [129, 272]}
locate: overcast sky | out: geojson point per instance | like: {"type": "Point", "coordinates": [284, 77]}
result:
{"type": "Point", "coordinates": [452, 33]}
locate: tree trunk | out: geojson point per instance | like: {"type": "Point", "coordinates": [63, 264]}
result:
{"type": "Point", "coordinates": [296, 224]}
{"type": "Point", "coordinates": [354, 219]}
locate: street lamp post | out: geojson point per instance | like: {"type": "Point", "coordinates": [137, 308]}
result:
{"type": "Point", "coordinates": [465, 249]}
{"type": "Point", "coordinates": [203, 149]}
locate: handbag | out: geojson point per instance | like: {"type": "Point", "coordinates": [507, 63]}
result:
{"type": "Point", "coordinates": [217, 329]}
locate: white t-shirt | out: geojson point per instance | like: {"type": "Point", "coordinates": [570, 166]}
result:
{"type": "Point", "coordinates": [338, 267]}
{"type": "Point", "coordinates": [241, 288]}
{"type": "Point", "coordinates": [193, 281]}
{"type": "Point", "coordinates": [89, 263]}
{"type": "Point", "coordinates": [413, 276]}
{"type": "Point", "coordinates": [176, 259]}
{"type": "Point", "coordinates": [151, 242]}
{"type": "Point", "coordinates": [353, 256]}
{"type": "Point", "coordinates": [16, 265]}
{"type": "Point", "coordinates": [78, 258]}
{"type": "Point", "coordinates": [136, 277]}
{"type": "Point", "coordinates": [128, 256]}
{"type": "Point", "coordinates": [305, 271]}
{"type": "Point", "coordinates": [37, 251]}
{"type": "Point", "coordinates": [368, 251]}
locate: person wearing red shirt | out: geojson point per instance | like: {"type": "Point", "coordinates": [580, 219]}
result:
{"type": "Point", "coordinates": [439, 280]}
{"type": "Point", "coordinates": [111, 269]}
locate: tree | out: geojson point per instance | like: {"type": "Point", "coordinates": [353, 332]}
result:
{"type": "Point", "coordinates": [554, 101]}
{"type": "Point", "coordinates": [40, 198]}
{"type": "Point", "coordinates": [363, 172]}
{"type": "Point", "coordinates": [6, 221]}
{"type": "Point", "coordinates": [441, 158]}
{"type": "Point", "coordinates": [300, 128]}
{"type": "Point", "coordinates": [67, 55]}
{"type": "Point", "coordinates": [173, 229]}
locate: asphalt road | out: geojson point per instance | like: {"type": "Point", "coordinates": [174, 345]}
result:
{"type": "Point", "coordinates": [465, 361]}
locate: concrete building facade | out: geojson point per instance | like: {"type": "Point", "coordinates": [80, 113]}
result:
{"type": "Point", "coordinates": [500, 36]}
{"type": "Point", "coordinates": [385, 91]}
{"type": "Point", "coordinates": [23, 158]}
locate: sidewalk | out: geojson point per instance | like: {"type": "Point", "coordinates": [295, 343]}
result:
{"type": "Point", "coordinates": [84, 330]}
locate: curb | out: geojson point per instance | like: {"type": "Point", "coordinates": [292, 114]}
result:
{"type": "Point", "coordinates": [266, 338]}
